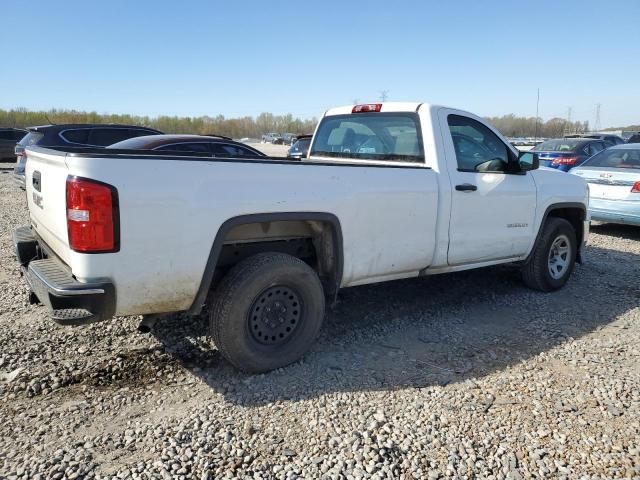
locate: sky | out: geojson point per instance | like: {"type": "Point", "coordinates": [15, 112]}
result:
{"type": "Point", "coordinates": [237, 58]}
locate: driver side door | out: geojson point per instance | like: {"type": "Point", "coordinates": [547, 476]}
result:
{"type": "Point", "coordinates": [492, 204]}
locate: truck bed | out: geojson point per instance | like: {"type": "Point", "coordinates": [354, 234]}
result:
{"type": "Point", "coordinates": [172, 206]}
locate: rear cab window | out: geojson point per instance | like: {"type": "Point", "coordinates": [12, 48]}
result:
{"type": "Point", "coordinates": [30, 138]}
{"type": "Point", "coordinates": [386, 136]}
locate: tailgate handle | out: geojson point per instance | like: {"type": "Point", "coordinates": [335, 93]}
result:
{"type": "Point", "coordinates": [36, 180]}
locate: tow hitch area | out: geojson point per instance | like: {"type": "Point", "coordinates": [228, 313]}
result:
{"type": "Point", "coordinates": [69, 301]}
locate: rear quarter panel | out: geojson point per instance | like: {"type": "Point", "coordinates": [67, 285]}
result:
{"type": "Point", "coordinates": [171, 210]}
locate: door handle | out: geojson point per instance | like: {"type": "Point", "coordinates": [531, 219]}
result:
{"type": "Point", "coordinates": [466, 187]}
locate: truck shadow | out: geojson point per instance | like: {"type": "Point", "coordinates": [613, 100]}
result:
{"type": "Point", "coordinates": [630, 232]}
{"type": "Point", "coordinates": [423, 332]}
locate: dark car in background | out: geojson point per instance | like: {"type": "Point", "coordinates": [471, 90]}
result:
{"type": "Point", "coordinates": [609, 140]}
{"type": "Point", "coordinates": [206, 145]}
{"type": "Point", "coordinates": [74, 135]}
{"type": "Point", "coordinates": [565, 153]}
{"type": "Point", "coordinates": [272, 137]}
{"type": "Point", "coordinates": [9, 137]}
{"type": "Point", "coordinates": [635, 138]}
{"type": "Point", "coordinates": [289, 138]}
{"type": "Point", "coordinates": [300, 148]}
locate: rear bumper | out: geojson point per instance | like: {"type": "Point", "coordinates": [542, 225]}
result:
{"type": "Point", "coordinates": [613, 211]}
{"type": "Point", "coordinates": [69, 301]}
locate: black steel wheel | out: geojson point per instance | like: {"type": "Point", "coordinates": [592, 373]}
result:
{"type": "Point", "coordinates": [275, 315]}
{"type": "Point", "coordinates": [266, 312]}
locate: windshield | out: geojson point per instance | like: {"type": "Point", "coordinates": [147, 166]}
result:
{"type": "Point", "coordinates": [559, 145]}
{"type": "Point", "coordinates": [615, 158]}
{"type": "Point", "coordinates": [373, 136]}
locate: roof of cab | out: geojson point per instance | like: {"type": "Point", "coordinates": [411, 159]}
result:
{"type": "Point", "coordinates": [386, 107]}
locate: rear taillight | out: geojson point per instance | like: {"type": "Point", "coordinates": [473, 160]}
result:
{"type": "Point", "coordinates": [565, 161]}
{"type": "Point", "coordinates": [368, 107]}
{"type": "Point", "coordinates": [635, 188]}
{"type": "Point", "coordinates": [92, 216]}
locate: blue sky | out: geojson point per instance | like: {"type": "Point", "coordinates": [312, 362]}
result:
{"type": "Point", "coordinates": [245, 57]}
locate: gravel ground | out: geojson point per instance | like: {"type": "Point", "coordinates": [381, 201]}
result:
{"type": "Point", "coordinates": [467, 375]}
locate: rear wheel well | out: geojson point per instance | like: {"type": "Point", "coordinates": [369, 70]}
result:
{"type": "Point", "coordinates": [316, 240]}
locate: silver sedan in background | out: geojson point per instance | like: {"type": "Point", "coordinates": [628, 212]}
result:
{"type": "Point", "coordinates": [613, 176]}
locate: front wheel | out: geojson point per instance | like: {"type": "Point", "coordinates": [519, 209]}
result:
{"type": "Point", "coordinates": [553, 257]}
{"type": "Point", "coordinates": [266, 312]}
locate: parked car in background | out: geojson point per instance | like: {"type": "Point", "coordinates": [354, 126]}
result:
{"type": "Point", "coordinates": [634, 138]}
{"type": "Point", "coordinates": [73, 135]}
{"type": "Point", "coordinates": [208, 145]}
{"type": "Point", "coordinates": [627, 134]}
{"type": "Point", "coordinates": [272, 137]}
{"type": "Point", "coordinates": [9, 137]}
{"type": "Point", "coordinates": [289, 138]}
{"type": "Point", "coordinates": [565, 153]}
{"type": "Point", "coordinates": [300, 148]}
{"type": "Point", "coordinates": [609, 140]}
{"type": "Point", "coordinates": [614, 184]}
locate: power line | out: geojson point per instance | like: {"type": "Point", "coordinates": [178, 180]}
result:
{"type": "Point", "coordinates": [597, 124]}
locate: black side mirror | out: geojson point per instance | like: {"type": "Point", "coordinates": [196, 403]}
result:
{"type": "Point", "coordinates": [528, 161]}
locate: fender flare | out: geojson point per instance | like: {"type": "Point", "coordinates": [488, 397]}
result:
{"type": "Point", "coordinates": [551, 208]}
{"type": "Point", "coordinates": [216, 248]}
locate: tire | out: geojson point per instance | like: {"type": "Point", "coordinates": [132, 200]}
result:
{"type": "Point", "coordinates": [266, 312]}
{"type": "Point", "coordinates": [541, 272]}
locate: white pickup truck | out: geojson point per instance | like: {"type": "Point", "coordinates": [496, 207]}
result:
{"type": "Point", "coordinates": [388, 191]}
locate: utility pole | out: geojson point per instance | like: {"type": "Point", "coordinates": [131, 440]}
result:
{"type": "Point", "coordinates": [597, 125]}
{"type": "Point", "coordinates": [535, 136]}
{"type": "Point", "coordinates": [568, 127]}
{"type": "Point", "coordinates": [384, 94]}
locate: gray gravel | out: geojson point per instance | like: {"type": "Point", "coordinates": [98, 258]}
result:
{"type": "Point", "coordinates": [468, 375]}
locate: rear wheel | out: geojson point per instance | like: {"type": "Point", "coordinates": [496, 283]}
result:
{"type": "Point", "coordinates": [266, 312]}
{"type": "Point", "coordinates": [553, 257]}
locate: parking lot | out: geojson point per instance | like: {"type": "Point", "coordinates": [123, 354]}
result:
{"type": "Point", "coordinates": [466, 375]}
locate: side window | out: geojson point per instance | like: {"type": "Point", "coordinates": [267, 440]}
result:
{"type": "Point", "coordinates": [19, 135]}
{"type": "Point", "coordinates": [228, 149]}
{"type": "Point", "coordinates": [6, 135]}
{"type": "Point", "coordinates": [104, 136]}
{"type": "Point", "coordinates": [137, 132]}
{"type": "Point", "coordinates": [477, 148]}
{"type": "Point", "coordinates": [76, 135]}
{"type": "Point", "coordinates": [595, 147]}
{"type": "Point", "coordinates": [186, 147]}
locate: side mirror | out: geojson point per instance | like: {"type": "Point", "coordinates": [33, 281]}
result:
{"type": "Point", "coordinates": [528, 161]}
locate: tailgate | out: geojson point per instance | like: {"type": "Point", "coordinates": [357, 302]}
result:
{"type": "Point", "coordinates": [46, 182]}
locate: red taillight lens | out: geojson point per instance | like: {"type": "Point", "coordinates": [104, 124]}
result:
{"type": "Point", "coordinates": [368, 107]}
{"type": "Point", "coordinates": [565, 161]}
{"type": "Point", "coordinates": [635, 188]}
{"type": "Point", "coordinates": [91, 216]}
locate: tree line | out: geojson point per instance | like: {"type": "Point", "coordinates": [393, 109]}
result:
{"type": "Point", "coordinates": [513, 126]}
{"type": "Point", "coordinates": [252, 127]}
